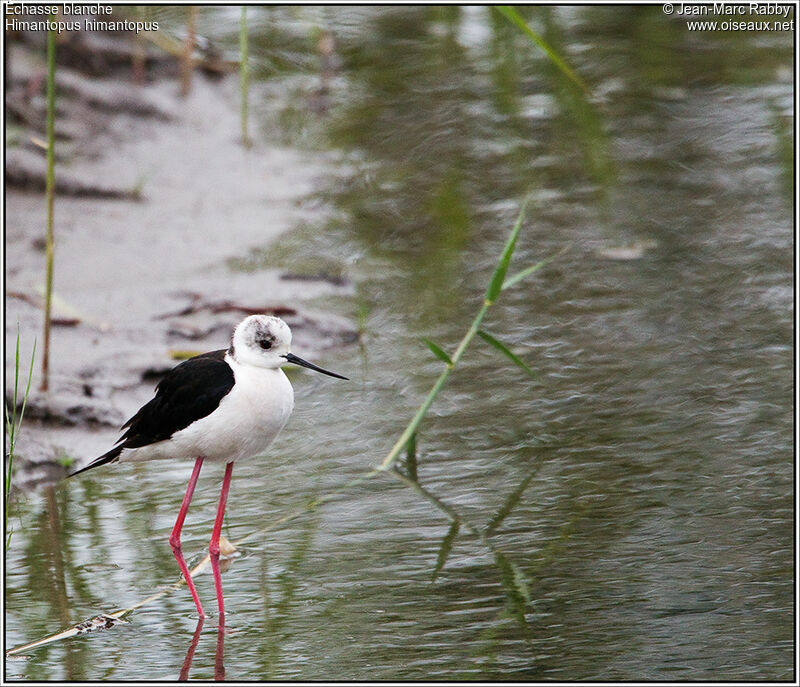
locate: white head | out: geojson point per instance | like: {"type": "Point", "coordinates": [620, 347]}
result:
{"type": "Point", "coordinates": [264, 341]}
{"type": "Point", "coordinates": [261, 340]}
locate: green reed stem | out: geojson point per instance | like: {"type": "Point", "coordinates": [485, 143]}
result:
{"type": "Point", "coordinates": [50, 189]}
{"type": "Point", "coordinates": [495, 286]}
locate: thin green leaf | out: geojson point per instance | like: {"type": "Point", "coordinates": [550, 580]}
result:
{"type": "Point", "coordinates": [13, 424]}
{"type": "Point", "coordinates": [444, 549]}
{"type": "Point", "coordinates": [519, 276]}
{"type": "Point", "coordinates": [12, 432]}
{"type": "Point", "coordinates": [438, 352]}
{"type": "Point", "coordinates": [11, 421]}
{"type": "Point", "coordinates": [496, 285]}
{"type": "Point", "coordinates": [28, 385]}
{"type": "Point", "coordinates": [515, 18]}
{"type": "Point", "coordinates": [506, 351]}
{"type": "Point", "coordinates": [50, 191]}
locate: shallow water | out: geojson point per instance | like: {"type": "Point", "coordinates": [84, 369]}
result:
{"type": "Point", "coordinates": [641, 483]}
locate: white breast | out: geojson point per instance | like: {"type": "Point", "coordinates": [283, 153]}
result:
{"type": "Point", "coordinates": [244, 424]}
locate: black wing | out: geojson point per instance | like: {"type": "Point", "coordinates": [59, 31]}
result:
{"type": "Point", "coordinates": [188, 392]}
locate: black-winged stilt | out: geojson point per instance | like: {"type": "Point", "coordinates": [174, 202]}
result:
{"type": "Point", "coordinates": [221, 406]}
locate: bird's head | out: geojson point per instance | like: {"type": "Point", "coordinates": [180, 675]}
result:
{"type": "Point", "coordinates": [264, 341]}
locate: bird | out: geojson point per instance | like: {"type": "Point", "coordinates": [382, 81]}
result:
{"type": "Point", "coordinates": [223, 406]}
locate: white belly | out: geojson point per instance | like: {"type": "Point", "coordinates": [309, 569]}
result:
{"type": "Point", "coordinates": [244, 424]}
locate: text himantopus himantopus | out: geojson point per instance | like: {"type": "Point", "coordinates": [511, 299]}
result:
{"type": "Point", "coordinates": [221, 406]}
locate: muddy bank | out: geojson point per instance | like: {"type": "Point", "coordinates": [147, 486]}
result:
{"type": "Point", "coordinates": [142, 265]}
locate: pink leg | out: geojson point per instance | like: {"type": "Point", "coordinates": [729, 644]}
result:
{"type": "Point", "coordinates": [175, 537]}
{"type": "Point", "coordinates": [213, 547]}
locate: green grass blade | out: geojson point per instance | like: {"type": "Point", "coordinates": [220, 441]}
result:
{"type": "Point", "coordinates": [515, 18]}
{"type": "Point", "coordinates": [438, 352]}
{"type": "Point", "coordinates": [11, 422]}
{"type": "Point", "coordinates": [28, 385]}
{"type": "Point", "coordinates": [445, 548]}
{"type": "Point", "coordinates": [494, 288]}
{"type": "Point", "coordinates": [496, 285]}
{"type": "Point", "coordinates": [519, 276]}
{"type": "Point", "coordinates": [50, 191]}
{"type": "Point", "coordinates": [488, 338]}
{"type": "Point", "coordinates": [12, 438]}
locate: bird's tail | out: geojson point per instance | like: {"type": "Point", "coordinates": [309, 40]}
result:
{"type": "Point", "coordinates": [109, 457]}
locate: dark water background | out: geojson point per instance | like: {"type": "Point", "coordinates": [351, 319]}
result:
{"type": "Point", "coordinates": [643, 480]}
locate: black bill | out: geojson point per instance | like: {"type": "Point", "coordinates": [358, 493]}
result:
{"type": "Point", "coordinates": [292, 358]}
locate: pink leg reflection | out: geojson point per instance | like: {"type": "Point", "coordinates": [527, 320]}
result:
{"type": "Point", "coordinates": [219, 665]}
{"type": "Point", "coordinates": [187, 662]}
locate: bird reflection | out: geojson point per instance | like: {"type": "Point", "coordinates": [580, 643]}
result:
{"type": "Point", "coordinates": [187, 662]}
{"type": "Point", "coordinates": [219, 664]}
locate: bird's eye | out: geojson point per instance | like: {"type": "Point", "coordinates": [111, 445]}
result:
{"type": "Point", "coordinates": [266, 344]}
